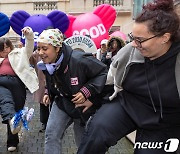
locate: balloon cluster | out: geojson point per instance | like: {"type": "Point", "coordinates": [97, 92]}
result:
{"type": "Point", "coordinates": [39, 22]}
{"type": "Point", "coordinates": [97, 26]}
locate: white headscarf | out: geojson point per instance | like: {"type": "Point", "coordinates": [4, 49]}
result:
{"type": "Point", "coordinates": [51, 36]}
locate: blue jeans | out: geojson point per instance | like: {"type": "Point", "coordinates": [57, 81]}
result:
{"type": "Point", "coordinates": [57, 123]}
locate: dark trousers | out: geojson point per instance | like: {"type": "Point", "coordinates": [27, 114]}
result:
{"type": "Point", "coordinates": [12, 139]}
{"type": "Point", "coordinates": [111, 123]}
{"type": "Point", "coordinates": [7, 105]}
{"type": "Point", "coordinates": [44, 113]}
{"type": "Point", "coordinates": [12, 99]}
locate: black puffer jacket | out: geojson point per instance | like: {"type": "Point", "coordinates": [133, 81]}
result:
{"type": "Point", "coordinates": [78, 71]}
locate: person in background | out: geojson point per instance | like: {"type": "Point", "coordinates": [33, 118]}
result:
{"type": "Point", "coordinates": [102, 50]}
{"type": "Point", "coordinates": [146, 78]}
{"type": "Point", "coordinates": [15, 74]}
{"type": "Point", "coordinates": [73, 79]}
{"type": "Point", "coordinates": [114, 44]}
{"type": "Point", "coordinates": [39, 94]}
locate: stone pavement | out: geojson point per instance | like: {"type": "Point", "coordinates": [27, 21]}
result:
{"type": "Point", "coordinates": [32, 142]}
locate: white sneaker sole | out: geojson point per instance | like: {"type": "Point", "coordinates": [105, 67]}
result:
{"type": "Point", "coordinates": [11, 149]}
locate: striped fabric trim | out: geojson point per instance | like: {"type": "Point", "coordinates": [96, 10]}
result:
{"type": "Point", "coordinates": [86, 92]}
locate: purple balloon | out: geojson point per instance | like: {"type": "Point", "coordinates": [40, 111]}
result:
{"type": "Point", "coordinates": [17, 20]}
{"type": "Point", "coordinates": [39, 22]}
{"type": "Point", "coordinates": [59, 19]}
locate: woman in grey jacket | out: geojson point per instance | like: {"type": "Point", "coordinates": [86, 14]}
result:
{"type": "Point", "coordinates": [15, 73]}
{"type": "Point", "coordinates": [146, 78]}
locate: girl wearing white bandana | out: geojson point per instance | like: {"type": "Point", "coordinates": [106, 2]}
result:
{"type": "Point", "coordinates": [73, 78]}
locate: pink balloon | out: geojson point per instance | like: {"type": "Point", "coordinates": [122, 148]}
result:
{"type": "Point", "coordinates": [119, 34]}
{"type": "Point", "coordinates": [107, 13]}
{"type": "Point", "coordinates": [90, 24]}
{"type": "Point", "coordinates": [68, 33]}
{"type": "Point", "coordinates": [95, 24]}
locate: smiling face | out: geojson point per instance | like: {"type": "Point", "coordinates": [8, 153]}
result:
{"type": "Point", "coordinates": [5, 52]}
{"type": "Point", "coordinates": [153, 47]}
{"type": "Point", "coordinates": [47, 52]}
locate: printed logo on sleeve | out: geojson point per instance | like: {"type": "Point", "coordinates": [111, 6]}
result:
{"type": "Point", "coordinates": [74, 81]}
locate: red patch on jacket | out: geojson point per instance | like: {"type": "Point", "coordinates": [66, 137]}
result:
{"type": "Point", "coordinates": [74, 81]}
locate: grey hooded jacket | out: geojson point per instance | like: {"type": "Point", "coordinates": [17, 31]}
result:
{"type": "Point", "coordinates": [121, 64]}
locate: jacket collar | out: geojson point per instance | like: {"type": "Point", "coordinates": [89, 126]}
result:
{"type": "Point", "coordinates": [67, 51]}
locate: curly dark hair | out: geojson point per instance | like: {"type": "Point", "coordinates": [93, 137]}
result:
{"type": "Point", "coordinates": [119, 45]}
{"type": "Point", "coordinates": [161, 18]}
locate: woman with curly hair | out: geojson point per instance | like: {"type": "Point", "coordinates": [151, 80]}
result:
{"type": "Point", "coordinates": [146, 78]}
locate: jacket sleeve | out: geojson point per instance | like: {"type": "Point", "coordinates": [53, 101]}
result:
{"type": "Point", "coordinates": [96, 73]}
{"type": "Point", "coordinates": [111, 75]}
{"type": "Point", "coordinates": [118, 68]}
{"type": "Point", "coordinates": [29, 43]}
{"type": "Point", "coordinates": [49, 86]}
